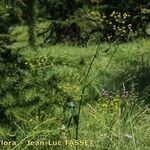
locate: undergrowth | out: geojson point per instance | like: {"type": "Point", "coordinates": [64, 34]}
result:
{"type": "Point", "coordinates": [40, 92]}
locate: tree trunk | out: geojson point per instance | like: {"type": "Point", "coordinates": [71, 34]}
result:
{"type": "Point", "coordinates": [31, 22]}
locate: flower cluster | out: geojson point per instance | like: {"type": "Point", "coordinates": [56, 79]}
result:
{"type": "Point", "coordinates": [121, 22]}
{"type": "Point", "coordinates": [70, 89]}
{"type": "Point", "coordinates": [110, 100]}
{"type": "Point", "coordinates": [118, 22]}
{"type": "Point", "coordinates": [113, 104]}
{"type": "Point", "coordinates": [40, 62]}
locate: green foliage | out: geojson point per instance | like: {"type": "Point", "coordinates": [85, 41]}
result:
{"type": "Point", "coordinates": [102, 20]}
{"type": "Point", "coordinates": [40, 92]}
{"type": "Point", "coordinates": [4, 15]}
{"type": "Point", "coordinates": [42, 89]}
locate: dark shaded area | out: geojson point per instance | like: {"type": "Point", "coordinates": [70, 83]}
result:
{"type": "Point", "coordinates": [71, 18]}
{"type": "Point", "coordinates": [137, 81]}
{"type": "Point", "coordinates": [58, 32]}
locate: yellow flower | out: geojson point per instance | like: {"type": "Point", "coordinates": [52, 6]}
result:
{"type": "Point", "coordinates": [125, 14]}
{"type": "Point", "coordinates": [119, 16]}
{"type": "Point", "coordinates": [105, 105]}
{"type": "Point", "coordinates": [113, 12]}
{"type": "Point", "coordinates": [31, 66]}
{"type": "Point", "coordinates": [30, 120]}
{"type": "Point", "coordinates": [104, 16]}
{"type": "Point", "coordinates": [42, 60]}
{"type": "Point", "coordinates": [112, 115]}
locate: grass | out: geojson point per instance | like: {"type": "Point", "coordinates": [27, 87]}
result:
{"type": "Point", "coordinates": [111, 119]}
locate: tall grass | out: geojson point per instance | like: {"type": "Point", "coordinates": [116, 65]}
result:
{"type": "Point", "coordinates": [113, 113]}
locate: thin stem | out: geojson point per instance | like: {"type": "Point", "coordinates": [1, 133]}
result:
{"type": "Point", "coordinates": [83, 90]}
